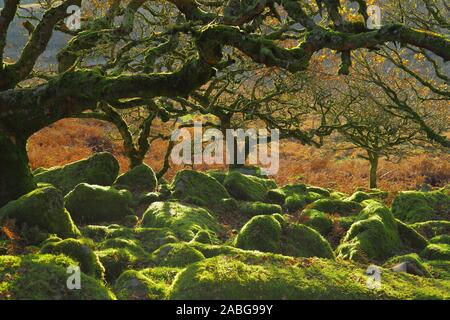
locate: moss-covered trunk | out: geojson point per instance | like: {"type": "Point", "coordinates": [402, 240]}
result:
{"type": "Point", "coordinates": [373, 159]}
{"type": "Point", "coordinates": [16, 178]}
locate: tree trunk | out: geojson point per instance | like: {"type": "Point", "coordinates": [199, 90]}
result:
{"type": "Point", "coordinates": [373, 159]}
{"type": "Point", "coordinates": [16, 178]}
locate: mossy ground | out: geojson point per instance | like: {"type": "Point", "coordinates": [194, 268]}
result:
{"type": "Point", "coordinates": [223, 235]}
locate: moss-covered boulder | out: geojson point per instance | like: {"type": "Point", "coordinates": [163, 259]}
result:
{"type": "Point", "coordinates": [246, 187]}
{"type": "Point", "coordinates": [139, 180]}
{"type": "Point", "coordinates": [134, 285]}
{"type": "Point", "coordinates": [409, 263]}
{"type": "Point", "coordinates": [410, 237]}
{"type": "Point", "coordinates": [176, 255]}
{"type": "Point", "coordinates": [373, 237]}
{"type": "Point", "coordinates": [42, 208]}
{"type": "Point", "coordinates": [321, 191]}
{"type": "Point", "coordinates": [116, 261]}
{"type": "Point", "coordinates": [317, 220]}
{"type": "Point", "coordinates": [416, 206]}
{"type": "Point", "coordinates": [250, 209]}
{"type": "Point", "coordinates": [261, 233]}
{"type": "Point", "coordinates": [100, 169]}
{"type": "Point", "coordinates": [279, 195]}
{"type": "Point", "coordinates": [360, 196]}
{"type": "Point", "coordinates": [268, 276]}
{"type": "Point", "coordinates": [296, 202]}
{"type": "Point", "coordinates": [430, 229]}
{"type": "Point", "coordinates": [267, 234]}
{"type": "Point", "coordinates": [302, 241]}
{"type": "Point", "coordinates": [202, 237]}
{"type": "Point", "coordinates": [91, 203]}
{"type": "Point", "coordinates": [183, 219]}
{"type": "Point", "coordinates": [198, 188]}
{"type": "Point", "coordinates": [333, 206]}
{"type": "Point", "coordinates": [436, 251]}
{"type": "Point", "coordinates": [44, 277]}
{"type": "Point", "coordinates": [79, 251]}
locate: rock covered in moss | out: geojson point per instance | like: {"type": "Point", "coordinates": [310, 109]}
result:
{"type": "Point", "coordinates": [267, 234]}
{"type": "Point", "coordinates": [246, 187]}
{"type": "Point", "coordinates": [134, 285]}
{"type": "Point", "coordinates": [144, 239]}
{"type": "Point", "coordinates": [79, 251]}
{"type": "Point", "coordinates": [436, 251]}
{"type": "Point", "coordinates": [184, 220]}
{"type": "Point", "coordinates": [116, 261]}
{"type": "Point", "coordinates": [250, 209]}
{"type": "Point", "coordinates": [321, 191]}
{"type": "Point", "coordinates": [409, 263]}
{"type": "Point", "coordinates": [139, 180]}
{"type": "Point", "coordinates": [217, 174]}
{"type": "Point", "coordinates": [298, 202]}
{"type": "Point", "coordinates": [91, 203]}
{"type": "Point", "coordinates": [317, 220]}
{"type": "Point", "coordinates": [279, 195]}
{"type": "Point", "coordinates": [268, 276]}
{"type": "Point", "coordinates": [373, 237]}
{"type": "Point", "coordinates": [198, 188]}
{"type": "Point", "coordinates": [176, 255]}
{"type": "Point", "coordinates": [430, 229]}
{"type": "Point", "coordinates": [42, 208]}
{"type": "Point", "coordinates": [202, 236]}
{"type": "Point", "coordinates": [302, 241]}
{"type": "Point", "coordinates": [44, 277]}
{"type": "Point", "coordinates": [410, 237]}
{"type": "Point", "coordinates": [416, 206]}
{"type": "Point", "coordinates": [360, 196]}
{"type": "Point", "coordinates": [341, 207]}
{"type": "Point", "coordinates": [100, 169]}
{"type": "Point", "coordinates": [261, 233]}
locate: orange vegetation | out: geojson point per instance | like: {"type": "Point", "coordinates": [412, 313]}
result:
{"type": "Point", "coordinates": [73, 139]}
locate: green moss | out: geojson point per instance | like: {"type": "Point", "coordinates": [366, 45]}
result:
{"type": "Point", "coordinates": [360, 196]}
{"type": "Point", "coordinates": [218, 175]}
{"type": "Point", "coordinates": [436, 251]}
{"type": "Point", "coordinates": [279, 195]}
{"type": "Point", "coordinates": [100, 169]}
{"type": "Point", "coordinates": [440, 269]}
{"type": "Point", "coordinates": [42, 208]}
{"type": "Point", "coordinates": [410, 237]}
{"type": "Point", "coordinates": [261, 233]}
{"type": "Point", "coordinates": [162, 275]}
{"type": "Point", "coordinates": [267, 234]}
{"type": "Point", "coordinates": [198, 188]}
{"type": "Point", "coordinates": [301, 241]}
{"type": "Point", "coordinates": [202, 237]}
{"type": "Point", "coordinates": [148, 239]}
{"type": "Point", "coordinates": [373, 237]}
{"type": "Point", "coordinates": [246, 187]}
{"type": "Point", "coordinates": [409, 263]}
{"type": "Point", "coordinates": [443, 238]}
{"type": "Point", "coordinates": [134, 285]}
{"type": "Point", "coordinates": [176, 255]}
{"type": "Point", "coordinates": [341, 207]}
{"type": "Point", "coordinates": [430, 229]}
{"type": "Point", "coordinates": [184, 220]}
{"type": "Point", "coordinates": [139, 180]}
{"type": "Point", "coordinates": [131, 245]}
{"type": "Point", "coordinates": [317, 220]}
{"type": "Point", "coordinates": [44, 277]}
{"type": "Point", "coordinates": [79, 251]}
{"type": "Point", "coordinates": [416, 206]}
{"type": "Point", "coordinates": [116, 261]}
{"type": "Point", "coordinates": [321, 191]}
{"type": "Point", "coordinates": [210, 251]}
{"type": "Point", "coordinates": [250, 209]}
{"type": "Point", "coordinates": [91, 203]}
{"type": "Point", "coordinates": [95, 232]}
{"type": "Point", "coordinates": [298, 202]}
{"type": "Point", "coordinates": [275, 277]}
